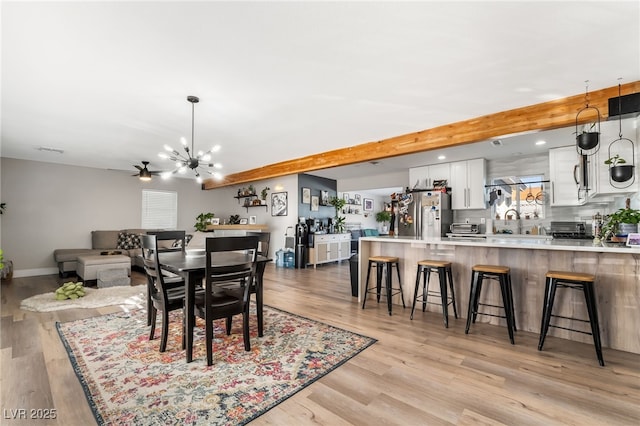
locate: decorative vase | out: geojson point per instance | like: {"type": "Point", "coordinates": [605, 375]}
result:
{"type": "Point", "coordinates": [587, 141]}
{"type": "Point", "coordinates": [625, 229]}
{"type": "Point", "coordinates": [621, 173]}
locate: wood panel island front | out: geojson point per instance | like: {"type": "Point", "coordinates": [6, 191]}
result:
{"type": "Point", "coordinates": [616, 268]}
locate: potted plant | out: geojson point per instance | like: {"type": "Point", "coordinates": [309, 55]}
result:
{"type": "Point", "coordinates": [618, 169]}
{"type": "Point", "coordinates": [589, 137]}
{"type": "Point", "coordinates": [383, 217]}
{"type": "Point", "coordinates": [202, 221]}
{"type": "Point", "coordinates": [263, 194]}
{"type": "Point", "coordinates": [621, 223]}
{"type": "Point", "coordinates": [339, 223]}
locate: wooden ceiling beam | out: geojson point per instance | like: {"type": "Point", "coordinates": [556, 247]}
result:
{"type": "Point", "coordinates": [543, 116]}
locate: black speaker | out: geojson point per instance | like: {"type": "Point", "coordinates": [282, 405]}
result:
{"type": "Point", "coordinates": [626, 106]}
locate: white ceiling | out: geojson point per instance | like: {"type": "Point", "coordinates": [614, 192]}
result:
{"type": "Point", "coordinates": [106, 82]}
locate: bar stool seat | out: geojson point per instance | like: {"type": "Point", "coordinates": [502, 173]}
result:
{"type": "Point", "coordinates": [383, 264]}
{"type": "Point", "coordinates": [575, 281]}
{"type": "Point", "coordinates": [501, 274]}
{"type": "Point", "coordinates": [443, 269]}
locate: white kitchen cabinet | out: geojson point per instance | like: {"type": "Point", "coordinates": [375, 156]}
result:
{"type": "Point", "coordinates": [600, 185]}
{"type": "Point", "coordinates": [330, 248]}
{"type": "Point", "coordinates": [564, 174]}
{"type": "Point", "coordinates": [467, 184]}
{"type": "Point", "coordinates": [425, 175]}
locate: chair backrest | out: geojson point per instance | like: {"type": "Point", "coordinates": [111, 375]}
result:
{"type": "Point", "coordinates": [155, 279]}
{"type": "Point", "coordinates": [230, 260]}
{"type": "Point", "coordinates": [263, 240]}
{"type": "Point", "coordinates": [170, 240]}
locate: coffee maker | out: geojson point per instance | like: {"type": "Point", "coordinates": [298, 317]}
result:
{"type": "Point", "coordinates": [302, 242]}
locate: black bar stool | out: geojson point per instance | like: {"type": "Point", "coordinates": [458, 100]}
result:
{"type": "Point", "coordinates": [501, 274]}
{"type": "Point", "coordinates": [385, 263]}
{"type": "Point", "coordinates": [575, 281]}
{"type": "Point", "coordinates": [443, 269]}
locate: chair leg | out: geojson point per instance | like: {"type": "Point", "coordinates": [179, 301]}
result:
{"type": "Point", "coordinates": [366, 286]}
{"type": "Point", "coordinates": [415, 294]}
{"type": "Point", "coordinates": [513, 310]}
{"type": "Point", "coordinates": [472, 300]}
{"type": "Point", "coordinates": [507, 305]}
{"type": "Point", "coordinates": [388, 274]}
{"type": "Point", "coordinates": [549, 296]}
{"type": "Point", "coordinates": [442, 278]}
{"type": "Point", "coordinates": [152, 312]}
{"type": "Point", "coordinates": [228, 323]}
{"type": "Point", "coordinates": [165, 330]}
{"type": "Point", "coordinates": [245, 330]}
{"type": "Point", "coordinates": [425, 288]}
{"type": "Point", "coordinates": [399, 283]}
{"type": "Point", "coordinates": [208, 329]}
{"type": "Point", "coordinates": [379, 271]}
{"type": "Point", "coordinates": [590, 297]}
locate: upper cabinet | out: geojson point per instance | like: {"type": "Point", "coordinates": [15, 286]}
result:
{"type": "Point", "coordinates": [467, 184]}
{"type": "Point", "coordinates": [423, 177]}
{"type": "Point", "coordinates": [566, 175]}
{"type": "Point", "coordinates": [599, 171]}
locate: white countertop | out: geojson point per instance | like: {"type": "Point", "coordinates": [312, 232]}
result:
{"type": "Point", "coordinates": [514, 242]}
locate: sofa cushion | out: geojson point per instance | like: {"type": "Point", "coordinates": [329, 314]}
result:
{"type": "Point", "coordinates": [127, 241]}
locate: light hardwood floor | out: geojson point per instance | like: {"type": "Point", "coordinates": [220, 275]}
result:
{"type": "Point", "coordinates": [418, 373]}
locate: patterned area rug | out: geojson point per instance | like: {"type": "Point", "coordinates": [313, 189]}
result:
{"type": "Point", "coordinates": [129, 296]}
{"type": "Point", "coordinates": [127, 380]}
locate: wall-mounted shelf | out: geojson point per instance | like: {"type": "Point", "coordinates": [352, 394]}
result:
{"type": "Point", "coordinates": [250, 198]}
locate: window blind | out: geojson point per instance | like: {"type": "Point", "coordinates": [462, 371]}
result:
{"type": "Point", "coordinates": [159, 209]}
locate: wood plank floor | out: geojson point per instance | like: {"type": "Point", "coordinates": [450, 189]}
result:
{"type": "Point", "coordinates": [418, 373]}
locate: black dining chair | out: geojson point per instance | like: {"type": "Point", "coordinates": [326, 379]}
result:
{"type": "Point", "coordinates": [226, 291]}
{"type": "Point", "coordinates": [168, 241]}
{"type": "Point", "coordinates": [161, 297]}
{"type": "Point", "coordinates": [263, 250]}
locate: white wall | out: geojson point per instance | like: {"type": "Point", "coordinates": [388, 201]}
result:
{"type": "Point", "coordinates": [52, 206]}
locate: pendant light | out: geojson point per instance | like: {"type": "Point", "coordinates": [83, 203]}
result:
{"type": "Point", "coordinates": [587, 139]}
{"type": "Point", "coordinates": [199, 162]}
{"type": "Point", "coordinates": [621, 172]}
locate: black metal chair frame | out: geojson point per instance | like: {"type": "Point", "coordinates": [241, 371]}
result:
{"type": "Point", "coordinates": [389, 290]}
{"type": "Point", "coordinates": [264, 239]}
{"type": "Point", "coordinates": [504, 280]}
{"type": "Point", "coordinates": [587, 288]}
{"type": "Point", "coordinates": [444, 275]}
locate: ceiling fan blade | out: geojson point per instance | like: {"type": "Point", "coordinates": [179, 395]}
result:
{"type": "Point", "coordinates": [137, 167]}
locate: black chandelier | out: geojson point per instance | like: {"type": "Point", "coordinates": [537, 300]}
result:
{"type": "Point", "coordinates": [200, 162]}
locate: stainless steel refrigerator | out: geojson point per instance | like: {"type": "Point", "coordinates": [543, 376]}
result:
{"type": "Point", "coordinates": [424, 214]}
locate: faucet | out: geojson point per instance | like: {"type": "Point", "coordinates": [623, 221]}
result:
{"type": "Point", "coordinates": [517, 218]}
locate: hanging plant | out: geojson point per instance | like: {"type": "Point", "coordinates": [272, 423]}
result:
{"type": "Point", "coordinates": [618, 169]}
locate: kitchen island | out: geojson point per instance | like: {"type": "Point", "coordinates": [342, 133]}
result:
{"type": "Point", "coordinates": [615, 266]}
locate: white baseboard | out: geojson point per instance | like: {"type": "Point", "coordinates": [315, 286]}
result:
{"type": "Point", "coordinates": [20, 273]}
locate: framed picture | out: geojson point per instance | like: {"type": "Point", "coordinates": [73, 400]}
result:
{"type": "Point", "coordinates": [368, 205]}
{"type": "Point", "coordinates": [345, 197]}
{"type": "Point", "coordinates": [324, 198]}
{"type": "Point", "coordinates": [306, 195]}
{"type": "Point", "coordinates": [357, 199]}
{"type": "Point", "coordinates": [279, 204]}
{"type": "Point", "coordinates": [244, 221]}
{"type": "Point", "coordinates": [253, 220]}
{"type": "Point", "coordinates": [633, 239]}
{"type": "Point", "coordinates": [215, 221]}
{"type": "Point", "coordinates": [315, 202]}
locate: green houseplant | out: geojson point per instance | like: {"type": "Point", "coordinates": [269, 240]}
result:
{"type": "Point", "coordinates": [202, 221]}
{"type": "Point", "coordinates": [383, 217]}
{"type": "Point", "coordinates": [626, 216]}
{"type": "Point", "coordinates": [338, 204]}
{"type": "Point", "coordinates": [618, 169]}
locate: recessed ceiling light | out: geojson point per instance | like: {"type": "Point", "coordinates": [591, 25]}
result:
{"type": "Point", "coordinates": [441, 157]}
{"type": "Point", "coordinates": [496, 142]}
{"type": "Point", "coordinates": [541, 142]}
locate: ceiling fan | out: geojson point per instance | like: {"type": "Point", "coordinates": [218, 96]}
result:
{"type": "Point", "coordinates": [145, 174]}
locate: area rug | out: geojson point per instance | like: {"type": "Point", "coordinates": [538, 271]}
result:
{"type": "Point", "coordinates": [127, 381]}
{"type": "Point", "coordinates": [95, 298]}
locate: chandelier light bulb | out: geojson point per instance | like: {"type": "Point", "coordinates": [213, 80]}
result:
{"type": "Point", "coordinates": [206, 157]}
{"type": "Point", "coordinates": [182, 170]}
{"type": "Point", "coordinates": [199, 179]}
{"type": "Point", "coordinates": [215, 148]}
{"type": "Point", "coordinates": [163, 155]}
{"type": "Point", "coordinates": [183, 141]}
{"type": "Point", "coordinates": [168, 148]}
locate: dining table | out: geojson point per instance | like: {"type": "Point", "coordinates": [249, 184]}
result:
{"type": "Point", "coordinates": [191, 267]}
